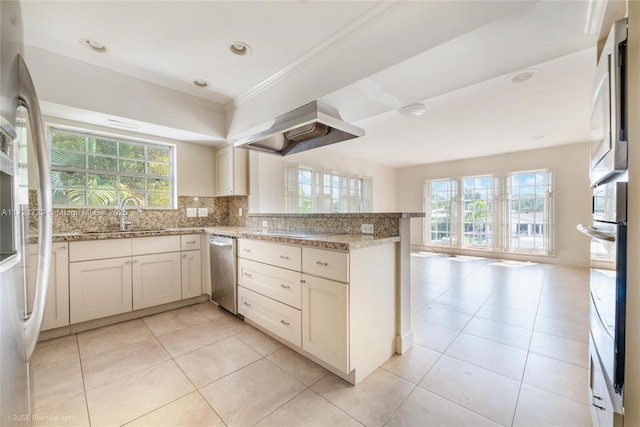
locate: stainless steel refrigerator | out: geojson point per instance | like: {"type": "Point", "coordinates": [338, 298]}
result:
{"type": "Point", "coordinates": [19, 115]}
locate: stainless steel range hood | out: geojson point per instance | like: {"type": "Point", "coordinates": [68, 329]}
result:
{"type": "Point", "coordinates": [311, 126]}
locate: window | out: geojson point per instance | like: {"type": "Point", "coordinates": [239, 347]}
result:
{"type": "Point", "coordinates": [442, 208]}
{"type": "Point", "coordinates": [530, 204]}
{"type": "Point", "coordinates": [99, 171]}
{"type": "Point", "coordinates": [309, 190]}
{"type": "Point", "coordinates": [512, 214]}
{"type": "Point", "coordinates": [477, 215]}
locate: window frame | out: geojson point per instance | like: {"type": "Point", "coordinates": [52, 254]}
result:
{"type": "Point", "coordinates": [501, 217]}
{"type": "Point", "coordinates": [52, 128]}
{"type": "Point", "coordinates": [547, 211]}
{"type": "Point", "coordinates": [331, 191]}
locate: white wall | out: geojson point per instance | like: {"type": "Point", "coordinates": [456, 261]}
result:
{"type": "Point", "coordinates": [569, 164]}
{"type": "Point", "coordinates": [195, 163]}
{"type": "Point", "coordinates": [267, 178]}
{"type": "Point", "coordinates": [64, 81]}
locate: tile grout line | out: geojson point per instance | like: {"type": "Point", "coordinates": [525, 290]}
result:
{"type": "Point", "coordinates": [524, 370]}
{"type": "Point", "coordinates": [84, 385]}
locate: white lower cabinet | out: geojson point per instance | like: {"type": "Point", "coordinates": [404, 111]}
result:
{"type": "Point", "coordinates": [191, 274]}
{"type": "Point", "coordinates": [325, 320]}
{"type": "Point", "coordinates": [337, 308]}
{"type": "Point", "coordinates": [603, 412]}
{"type": "Point", "coordinates": [108, 277]}
{"type": "Point", "coordinates": [156, 279]}
{"type": "Point", "coordinates": [56, 312]}
{"type": "Point", "coordinates": [99, 288]}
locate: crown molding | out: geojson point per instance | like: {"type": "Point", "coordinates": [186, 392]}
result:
{"type": "Point", "coordinates": [372, 16]}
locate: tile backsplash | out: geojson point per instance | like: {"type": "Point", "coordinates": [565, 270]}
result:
{"type": "Point", "coordinates": [221, 211]}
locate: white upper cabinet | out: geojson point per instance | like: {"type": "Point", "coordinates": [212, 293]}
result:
{"type": "Point", "coordinates": [232, 171]}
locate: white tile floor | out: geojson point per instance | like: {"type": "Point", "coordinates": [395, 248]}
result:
{"type": "Point", "coordinates": [495, 344]}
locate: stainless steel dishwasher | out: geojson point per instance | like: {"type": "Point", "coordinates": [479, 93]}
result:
{"type": "Point", "coordinates": [222, 253]}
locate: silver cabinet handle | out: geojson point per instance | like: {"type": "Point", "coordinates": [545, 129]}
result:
{"type": "Point", "coordinates": [28, 98]}
{"type": "Point", "coordinates": [246, 250]}
{"type": "Point", "coordinates": [284, 257]}
{"type": "Point", "coordinates": [128, 262]}
{"type": "Point", "coordinates": [184, 256]}
{"type": "Point", "coordinates": [247, 304]}
{"type": "Point", "coordinates": [248, 275]}
{"type": "Point", "coordinates": [190, 242]}
{"type": "Point", "coordinates": [62, 248]}
{"type": "Point", "coordinates": [285, 323]}
{"type": "Point", "coordinates": [285, 286]}
{"type": "Point", "coordinates": [324, 264]}
{"type": "Point", "coordinates": [303, 281]}
{"type": "Point", "coordinates": [595, 396]}
{"type": "Point", "coordinates": [598, 406]}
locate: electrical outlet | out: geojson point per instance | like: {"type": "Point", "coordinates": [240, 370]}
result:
{"type": "Point", "coordinates": [239, 211]}
{"type": "Point", "coordinates": [265, 224]}
{"type": "Point", "coordinates": [203, 212]}
{"type": "Point", "coordinates": [192, 212]}
{"type": "Point", "coordinates": [367, 228]}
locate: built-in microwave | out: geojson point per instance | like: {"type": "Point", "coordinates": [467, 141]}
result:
{"type": "Point", "coordinates": [609, 112]}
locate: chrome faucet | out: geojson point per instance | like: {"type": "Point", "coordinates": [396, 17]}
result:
{"type": "Point", "coordinates": [122, 213]}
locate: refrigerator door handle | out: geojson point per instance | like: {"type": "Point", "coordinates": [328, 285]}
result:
{"type": "Point", "coordinates": [28, 99]}
{"type": "Point", "coordinates": [596, 234]}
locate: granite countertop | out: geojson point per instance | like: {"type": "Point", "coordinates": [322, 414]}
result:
{"type": "Point", "coordinates": [341, 242]}
{"type": "Point", "coordinates": [81, 236]}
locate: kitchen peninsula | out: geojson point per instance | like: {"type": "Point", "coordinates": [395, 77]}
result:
{"type": "Point", "coordinates": [339, 298]}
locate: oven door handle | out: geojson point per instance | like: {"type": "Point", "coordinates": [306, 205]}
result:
{"type": "Point", "coordinates": [27, 98]}
{"type": "Point", "coordinates": [596, 234]}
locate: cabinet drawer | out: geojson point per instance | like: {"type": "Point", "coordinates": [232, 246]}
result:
{"type": "Point", "coordinates": [282, 320]}
{"type": "Point", "coordinates": [99, 249]}
{"type": "Point", "coordinates": [329, 264]}
{"type": "Point", "coordinates": [270, 253]}
{"type": "Point", "coordinates": [190, 242]}
{"type": "Point", "coordinates": [273, 282]}
{"type": "Point", "coordinates": [155, 245]}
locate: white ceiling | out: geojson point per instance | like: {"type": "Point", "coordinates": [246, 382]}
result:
{"type": "Point", "coordinates": [365, 58]}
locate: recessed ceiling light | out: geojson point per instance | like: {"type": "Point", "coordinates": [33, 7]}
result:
{"type": "Point", "coordinates": [94, 45]}
{"type": "Point", "coordinates": [523, 76]}
{"type": "Point", "coordinates": [240, 48]}
{"type": "Point", "coordinates": [412, 110]}
{"type": "Point", "coordinates": [201, 83]}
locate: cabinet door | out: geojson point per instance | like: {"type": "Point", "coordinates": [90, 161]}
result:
{"type": "Point", "coordinates": [224, 171]}
{"type": "Point", "coordinates": [325, 320]}
{"type": "Point", "coordinates": [99, 288]}
{"type": "Point", "coordinates": [191, 274]}
{"type": "Point", "coordinates": [156, 279]}
{"type": "Point", "coordinates": [56, 313]}
{"type": "Point", "coordinates": [231, 172]}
